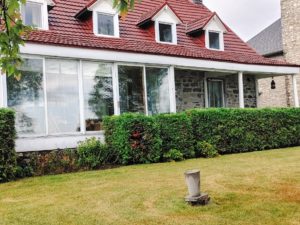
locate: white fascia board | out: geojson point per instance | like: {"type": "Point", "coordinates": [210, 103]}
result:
{"type": "Point", "coordinates": [127, 57]}
{"type": "Point", "coordinates": [166, 15]}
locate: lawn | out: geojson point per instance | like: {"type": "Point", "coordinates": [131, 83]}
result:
{"type": "Point", "coordinates": [251, 188]}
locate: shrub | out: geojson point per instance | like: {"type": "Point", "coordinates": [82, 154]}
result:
{"type": "Point", "coordinates": [134, 138]}
{"type": "Point", "coordinates": [7, 145]}
{"type": "Point", "coordinates": [93, 154]}
{"type": "Point", "coordinates": [243, 130]}
{"type": "Point", "coordinates": [205, 149]}
{"type": "Point", "coordinates": [173, 155]}
{"type": "Point", "coordinates": [176, 133]}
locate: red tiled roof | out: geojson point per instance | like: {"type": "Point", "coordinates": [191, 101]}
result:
{"type": "Point", "coordinates": [66, 30]}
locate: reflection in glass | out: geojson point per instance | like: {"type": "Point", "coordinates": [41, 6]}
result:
{"type": "Point", "coordinates": [157, 90]}
{"type": "Point", "coordinates": [32, 14]}
{"type": "Point", "coordinates": [26, 97]}
{"type": "Point", "coordinates": [62, 96]}
{"type": "Point", "coordinates": [214, 40]}
{"type": "Point", "coordinates": [98, 94]}
{"type": "Point", "coordinates": [131, 89]}
{"type": "Point", "coordinates": [105, 24]}
{"type": "Point", "coordinates": [165, 32]}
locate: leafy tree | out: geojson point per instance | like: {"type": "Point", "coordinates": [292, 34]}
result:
{"type": "Point", "coordinates": [11, 36]}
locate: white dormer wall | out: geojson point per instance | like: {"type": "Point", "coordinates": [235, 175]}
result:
{"type": "Point", "coordinates": [166, 16]}
{"type": "Point", "coordinates": [105, 7]}
{"type": "Point", "coordinates": [215, 25]}
{"type": "Point", "coordinates": [44, 13]}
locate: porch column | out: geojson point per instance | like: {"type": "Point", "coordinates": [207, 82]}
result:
{"type": "Point", "coordinates": [295, 89]}
{"type": "Point", "coordinates": [241, 90]}
{"type": "Point", "coordinates": [172, 89]}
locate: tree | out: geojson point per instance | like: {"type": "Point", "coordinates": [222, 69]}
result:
{"type": "Point", "coordinates": [11, 36]}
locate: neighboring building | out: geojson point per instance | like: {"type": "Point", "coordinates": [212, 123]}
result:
{"type": "Point", "coordinates": [269, 44]}
{"type": "Point", "coordinates": [84, 62]}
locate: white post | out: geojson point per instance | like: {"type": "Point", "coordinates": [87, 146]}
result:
{"type": "Point", "coordinates": [295, 89]}
{"type": "Point", "coordinates": [241, 90]}
{"type": "Point", "coordinates": [172, 89]}
{"type": "Point", "coordinates": [205, 91]}
{"type": "Point", "coordinates": [3, 91]}
{"type": "Point", "coordinates": [115, 81]}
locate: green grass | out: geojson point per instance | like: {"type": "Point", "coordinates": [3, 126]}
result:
{"type": "Point", "coordinates": [250, 189]}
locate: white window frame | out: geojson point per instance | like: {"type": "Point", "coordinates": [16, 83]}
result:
{"type": "Point", "coordinates": [207, 80]}
{"type": "Point", "coordinates": [174, 32]}
{"type": "Point", "coordinates": [221, 40]}
{"type": "Point", "coordinates": [115, 21]}
{"type": "Point", "coordinates": [44, 13]}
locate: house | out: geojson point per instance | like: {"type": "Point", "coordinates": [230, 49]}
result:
{"type": "Point", "coordinates": [84, 62]}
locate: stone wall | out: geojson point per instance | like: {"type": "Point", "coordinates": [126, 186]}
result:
{"type": "Point", "coordinates": [190, 90]}
{"type": "Point", "coordinates": [290, 13]}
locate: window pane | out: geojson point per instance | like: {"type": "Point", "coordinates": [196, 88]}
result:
{"type": "Point", "coordinates": [157, 90]}
{"type": "Point", "coordinates": [98, 94]}
{"type": "Point", "coordinates": [32, 14]}
{"type": "Point", "coordinates": [62, 96]}
{"type": "Point", "coordinates": [105, 24]}
{"type": "Point", "coordinates": [214, 40]}
{"type": "Point", "coordinates": [215, 94]}
{"type": "Point", "coordinates": [131, 89]}
{"type": "Point", "coordinates": [26, 96]}
{"type": "Point", "coordinates": [165, 32]}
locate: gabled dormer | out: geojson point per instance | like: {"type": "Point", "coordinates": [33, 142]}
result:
{"type": "Point", "coordinates": [165, 21]}
{"type": "Point", "coordinates": [35, 13]}
{"type": "Point", "coordinates": [213, 29]}
{"type": "Point", "coordinates": [105, 18]}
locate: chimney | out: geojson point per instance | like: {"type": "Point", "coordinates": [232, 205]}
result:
{"type": "Point", "coordinates": [197, 2]}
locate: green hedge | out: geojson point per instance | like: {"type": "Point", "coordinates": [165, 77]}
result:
{"type": "Point", "coordinates": [134, 138]}
{"type": "Point", "coordinates": [7, 145]}
{"type": "Point", "coordinates": [243, 130]}
{"type": "Point", "coordinates": [176, 133]}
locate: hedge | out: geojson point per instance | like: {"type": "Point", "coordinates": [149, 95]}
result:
{"type": "Point", "coordinates": [176, 133]}
{"type": "Point", "coordinates": [243, 130]}
{"type": "Point", "coordinates": [7, 145]}
{"type": "Point", "coordinates": [134, 138]}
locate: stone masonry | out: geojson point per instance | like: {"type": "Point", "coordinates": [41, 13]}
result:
{"type": "Point", "coordinates": [290, 13]}
{"type": "Point", "coordinates": [190, 90]}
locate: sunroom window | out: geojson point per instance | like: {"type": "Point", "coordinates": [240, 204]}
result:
{"type": "Point", "coordinates": [105, 24]}
{"type": "Point", "coordinates": [32, 14]}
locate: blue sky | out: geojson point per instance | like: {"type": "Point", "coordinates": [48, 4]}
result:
{"type": "Point", "coordinates": [246, 17]}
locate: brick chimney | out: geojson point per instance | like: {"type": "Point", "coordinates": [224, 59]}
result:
{"type": "Point", "coordinates": [197, 2]}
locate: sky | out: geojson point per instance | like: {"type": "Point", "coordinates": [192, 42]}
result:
{"type": "Point", "coordinates": [246, 17]}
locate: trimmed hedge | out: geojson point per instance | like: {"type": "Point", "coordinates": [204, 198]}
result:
{"type": "Point", "coordinates": [134, 138]}
{"type": "Point", "coordinates": [7, 145]}
{"type": "Point", "coordinates": [244, 130]}
{"type": "Point", "coordinates": [176, 133]}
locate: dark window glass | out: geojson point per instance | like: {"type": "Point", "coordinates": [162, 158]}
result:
{"type": "Point", "coordinates": [106, 24]}
{"type": "Point", "coordinates": [214, 40]}
{"type": "Point", "coordinates": [165, 33]}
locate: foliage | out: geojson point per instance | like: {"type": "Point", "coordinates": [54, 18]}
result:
{"type": "Point", "coordinates": [7, 145]}
{"type": "Point", "coordinates": [244, 130]}
{"type": "Point", "coordinates": [205, 149]}
{"type": "Point", "coordinates": [123, 5]}
{"type": "Point", "coordinates": [173, 155]}
{"type": "Point", "coordinates": [134, 138]}
{"type": "Point", "coordinates": [93, 154]}
{"type": "Point", "coordinates": [176, 133]}
{"type": "Point", "coordinates": [12, 30]}
{"type": "Point", "coordinates": [47, 162]}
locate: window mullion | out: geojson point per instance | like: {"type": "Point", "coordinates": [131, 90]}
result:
{"type": "Point", "coordinates": [45, 96]}
{"type": "Point", "coordinates": [81, 98]}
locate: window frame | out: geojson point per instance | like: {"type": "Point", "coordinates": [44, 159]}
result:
{"type": "Point", "coordinates": [115, 24]}
{"type": "Point", "coordinates": [221, 40]}
{"type": "Point", "coordinates": [222, 91]}
{"type": "Point", "coordinates": [44, 13]}
{"type": "Point", "coordinates": [173, 30]}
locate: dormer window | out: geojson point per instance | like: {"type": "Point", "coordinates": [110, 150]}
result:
{"type": "Point", "coordinates": [105, 24]}
{"type": "Point", "coordinates": [32, 14]}
{"type": "Point", "coordinates": [214, 40]}
{"type": "Point", "coordinates": [165, 32]}
{"type": "Point", "coordinates": [35, 13]}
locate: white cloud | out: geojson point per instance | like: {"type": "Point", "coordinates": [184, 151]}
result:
{"type": "Point", "coordinates": [246, 17]}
